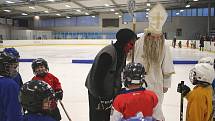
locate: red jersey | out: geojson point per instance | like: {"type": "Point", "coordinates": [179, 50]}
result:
{"type": "Point", "coordinates": [51, 80]}
{"type": "Point", "coordinates": [130, 102]}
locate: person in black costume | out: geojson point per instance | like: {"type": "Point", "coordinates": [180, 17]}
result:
{"type": "Point", "coordinates": [104, 79]}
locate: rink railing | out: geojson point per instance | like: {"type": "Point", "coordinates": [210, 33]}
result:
{"type": "Point", "coordinates": [16, 43]}
{"type": "Point", "coordinates": [209, 46]}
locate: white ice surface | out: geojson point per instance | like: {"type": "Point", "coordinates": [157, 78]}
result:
{"type": "Point", "coordinates": [72, 76]}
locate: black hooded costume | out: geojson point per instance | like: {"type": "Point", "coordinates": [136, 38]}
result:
{"type": "Point", "coordinates": [104, 79]}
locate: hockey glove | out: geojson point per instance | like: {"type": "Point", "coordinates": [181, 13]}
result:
{"type": "Point", "coordinates": [104, 104]}
{"type": "Point", "coordinates": [59, 94]}
{"type": "Point", "coordinates": [184, 89]}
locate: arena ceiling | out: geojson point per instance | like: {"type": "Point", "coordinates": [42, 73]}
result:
{"type": "Point", "coordinates": [62, 8]}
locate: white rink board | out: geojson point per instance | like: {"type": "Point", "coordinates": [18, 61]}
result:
{"type": "Point", "coordinates": [209, 46]}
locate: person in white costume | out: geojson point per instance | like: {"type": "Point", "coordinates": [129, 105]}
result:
{"type": "Point", "coordinates": [151, 51]}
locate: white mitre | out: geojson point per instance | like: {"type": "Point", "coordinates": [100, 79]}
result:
{"type": "Point", "coordinates": [157, 17]}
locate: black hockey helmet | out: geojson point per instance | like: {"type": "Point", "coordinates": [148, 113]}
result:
{"type": "Point", "coordinates": [6, 61]}
{"type": "Point", "coordinates": [133, 73]}
{"type": "Point", "coordinates": [33, 94]}
{"type": "Point", "coordinates": [39, 62]}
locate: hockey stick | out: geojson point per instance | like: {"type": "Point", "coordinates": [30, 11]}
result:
{"type": "Point", "coordinates": [65, 110]}
{"type": "Point", "coordinates": [181, 102]}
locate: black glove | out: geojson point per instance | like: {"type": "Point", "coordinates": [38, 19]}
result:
{"type": "Point", "coordinates": [59, 94]}
{"type": "Point", "coordinates": [184, 89]}
{"type": "Point", "coordinates": [104, 104]}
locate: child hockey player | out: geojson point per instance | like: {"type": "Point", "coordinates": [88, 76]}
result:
{"type": "Point", "coordinates": [40, 69]}
{"type": "Point", "coordinates": [199, 107]}
{"type": "Point", "coordinates": [10, 108]}
{"type": "Point", "coordinates": [37, 97]}
{"type": "Point", "coordinates": [210, 61]}
{"type": "Point", "coordinates": [134, 103]}
{"type": "Point", "coordinates": [15, 73]}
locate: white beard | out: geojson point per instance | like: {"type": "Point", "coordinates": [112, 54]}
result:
{"type": "Point", "coordinates": [152, 51]}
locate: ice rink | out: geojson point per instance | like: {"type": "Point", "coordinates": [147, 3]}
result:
{"type": "Point", "coordinates": [72, 75]}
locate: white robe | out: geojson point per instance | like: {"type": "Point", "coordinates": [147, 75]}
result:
{"type": "Point", "coordinates": [158, 76]}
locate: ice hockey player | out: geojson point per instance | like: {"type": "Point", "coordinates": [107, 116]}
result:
{"type": "Point", "coordinates": [134, 103]}
{"type": "Point", "coordinates": [10, 108]}
{"type": "Point", "coordinates": [41, 71]}
{"type": "Point", "coordinates": [38, 98]}
{"type": "Point", "coordinates": [210, 61]}
{"type": "Point", "coordinates": [199, 107]}
{"type": "Point", "coordinates": [15, 73]}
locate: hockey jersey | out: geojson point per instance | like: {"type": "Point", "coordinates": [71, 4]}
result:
{"type": "Point", "coordinates": [37, 117]}
{"type": "Point", "coordinates": [51, 80]}
{"type": "Point", "coordinates": [10, 108]}
{"type": "Point", "coordinates": [129, 102]}
{"type": "Point", "coordinates": [18, 80]}
{"type": "Point", "coordinates": [199, 107]}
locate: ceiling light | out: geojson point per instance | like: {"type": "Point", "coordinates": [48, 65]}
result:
{"type": "Point", "coordinates": [37, 17]}
{"type": "Point", "coordinates": [177, 13]}
{"type": "Point", "coordinates": [9, 1]}
{"type": "Point", "coordinates": [93, 16]}
{"type": "Point", "coordinates": [147, 16]}
{"type": "Point", "coordinates": [46, 11]}
{"type": "Point", "coordinates": [51, 0]}
{"type": "Point", "coordinates": [68, 17]}
{"type": "Point", "coordinates": [24, 14]}
{"type": "Point", "coordinates": [31, 7]}
{"type": "Point", "coordinates": [182, 10]}
{"type": "Point", "coordinates": [119, 16]}
{"type": "Point", "coordinates": [106, 5]}
{"type": "Point", "coordinates": [68, 6]}
{"type": "Point", "coordinates": [116, 13]}
{"type": "Point", "coordinates": [187, 6]}
{"type": "Point", "coordinates": [147, 13]}
{"type": "Point", "coordinates": [78, 10]}
{"type": "Point", "coordinates": [58, 14]}
{"type": "Point", "coordinates": [7, 11]}
{"type": "Point", "coordinates": [147, 9]}
{"type": "Point", "coordinates": [148, 4]}
{"type": "Point", "coordinates": [112, 10]}
{"type": "Point", "coordinates": [195, 0]}
{"type": "Point", "coordinates": [86, 13]}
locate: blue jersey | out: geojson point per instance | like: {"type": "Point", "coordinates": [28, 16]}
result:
{"type": "Point", "coordinates": [213, 84]}
{"type": "Point", "coordinates": [139, 117]}
{"type": "Point", "coordinates": [136, 118]}
{"type": "Point", "coordinates": [37, 117]}
{"type": "Point", "coordinates": [10, 108]}
{"type": "Point", "coordinates": [18, 80]}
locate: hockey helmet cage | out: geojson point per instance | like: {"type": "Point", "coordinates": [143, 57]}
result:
{"type": "Point", "coordinates": [6, 60]}
{"type": "Point", "coordinates": [202, 73]}
{"type": "Point", "coordinates": [33, 94]}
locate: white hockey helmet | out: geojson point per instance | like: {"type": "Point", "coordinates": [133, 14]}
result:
{"type": "Point", "coordinates": [208, 60]}
{"type": "Point", "coordinates": [202, 72]}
